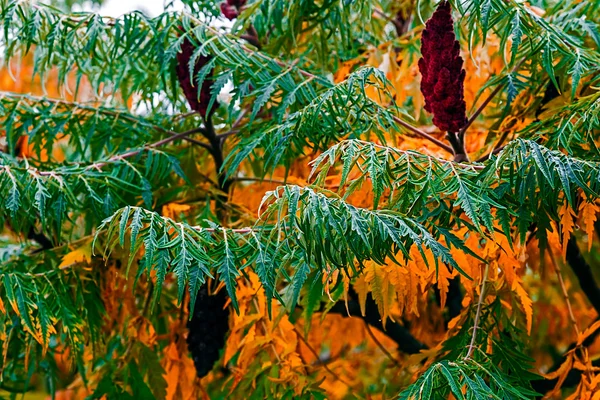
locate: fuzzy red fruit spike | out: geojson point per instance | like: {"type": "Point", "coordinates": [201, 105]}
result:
{"type": "Point", "coordinates": [186, 82]}
{"type": "Point", "coordinates": [229, 11]}
{"type": "Point", "coordinates": [441, 67]}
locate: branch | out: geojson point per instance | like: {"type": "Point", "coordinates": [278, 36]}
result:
{"type": "Point", "coordinates": [41, 239]}
{"type": "Point", "coordinates": [380, 345]}
{"type": "Point", "coordinates": [135, 152]}
{"type": "Point", "coordinates": [106, 111]}
{"type": "Point", "coordinates": [574, 376]}
{"type": "Point", "coordinates": [478, 313]}
{"type": "Point", "coordinates": [314, 353]}
{"type": "Point", "coordinates": [423, 134]}
{"type": "Point", "coordinates": [487, 156]}
{"type": "Point", "coordinates": [564, 292]}
{"type": "Point", "coordinates": [404, 339]}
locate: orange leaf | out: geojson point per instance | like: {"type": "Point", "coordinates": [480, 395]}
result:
{"type": "Point", "coordinates": [525, 302]}
{"type": "Point", "coordinates": [587, 214]}
{"type": "Point", "coordinates": [79, 255]}
{"type": "Point", "coordinates": [362, 288]}
{"type": "Point", "coordinates": [443, 281]}
{"type": "Point", "coordinates": [173, 210]}
{"type": "Point", "coordinates": [566, 225]}
{"type": "Point", "coordinates": [590, 330]}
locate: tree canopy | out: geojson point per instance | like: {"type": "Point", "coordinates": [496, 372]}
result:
{"type": "Point", "coordinates": [281, 199]}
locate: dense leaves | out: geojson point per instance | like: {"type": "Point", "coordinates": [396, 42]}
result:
{"type": "Point", "coordinates": [307, 185]}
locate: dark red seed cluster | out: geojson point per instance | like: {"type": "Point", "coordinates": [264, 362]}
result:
{"type": "Point", "coordinates": [231, 8]}
{"type": "Point", "coordinates": [207, 329]}
{"type": "Point", "coordinates": [190, 89]}
{"type": "Point", "coordinates": [441, 67]}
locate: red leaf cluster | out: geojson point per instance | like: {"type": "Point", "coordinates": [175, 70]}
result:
{"type": "Point", "coordinates": [197, 103]}
{"type": "Point", "coordinates": [442, 71]}
{"type": "Point", "coordinates": [231, 8]}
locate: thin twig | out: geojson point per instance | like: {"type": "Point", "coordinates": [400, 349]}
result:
{"type": "Point", "coordinates": [225, 135]}
{"type": "Point", "coordinates": [423, 134]}
{"type": "Point", "coordinates": [314, 352]}
{"type": "Point", "coordinates": [473, 117]}
{"type": "Point", "coordinates": [252, 179]}
{"type": "Point", "coordinates": [239, 119]}
{"type": "Point", "coordinates": [478, 313]}
{"type": "Point", "coordinates": [133, 153]}
{"type": "Point", "coordinates": [380, 345]}
{"type": "Point", "coordinates": [264, 326]}
{"type": "Point", "coordinates": [564, 292]}
{"type": "Point", "coordinates": [487, 156]}
{"type": "Point", "coordinates": [482, 107]}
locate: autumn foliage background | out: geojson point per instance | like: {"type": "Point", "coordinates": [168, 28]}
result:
{"type": "Point", "coordinates": [274, 209]}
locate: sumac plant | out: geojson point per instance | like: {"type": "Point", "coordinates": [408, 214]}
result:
{"type": "Point", "coordinates": [301, 199]}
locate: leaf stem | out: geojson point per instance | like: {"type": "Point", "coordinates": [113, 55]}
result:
{"type": "Point", "coordinates": [478, 313]}
{"type": "Point", "coordinates": [564, 292]}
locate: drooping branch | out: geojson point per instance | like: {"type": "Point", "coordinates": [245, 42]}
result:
{"type": "Point", "coordinates": [406, 342]}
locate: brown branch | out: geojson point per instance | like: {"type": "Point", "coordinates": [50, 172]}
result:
{"type": "Point", "coordinates": [423, 134]}
{"type": "Point", "coordinates": [564, 292]}
{"type": "Point", "coordinates": [380, 345]}
{"type": "Point", "coordinates": [223, 136]}
{"type": "Point", "coordinates": [487, 156]}
{"type": "Point", "coordinates": [133, 153]}
{"type": "Point", "coordinates": [324, 365]}
{"type": "Point", "coordinates": [583, 272]}
{"type": "Point", "coordinates": [482, 107]}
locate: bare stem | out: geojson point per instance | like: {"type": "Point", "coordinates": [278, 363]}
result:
{"type": "Point", "coordinates": [478, 313]}
{"type": "Point", "coordinates": [314, 352]}
{"type": "Point", "coordinates": [482, 107]}
{"type": "Point", "coordinates": [487, 156]}
{"type": "Point", "coordinates": [380, 345]}
{"type": "Point", "coordinates": [423, 134]}
{"type": "Point", "coordinates": [564, 291]}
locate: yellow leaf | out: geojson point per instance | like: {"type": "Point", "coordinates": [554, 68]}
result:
{"type": "Point", "coordinates": [566, 225]}
{"type": "Point", "coordinates": [587, 214]}
{"type": "Point", "coordinates": [79, 255]}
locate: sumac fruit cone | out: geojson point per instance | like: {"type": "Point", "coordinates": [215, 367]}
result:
{"type": "Point", "coordinates": [231, 8]}
{"type": "Point", "coordinates": [207, 329]}
{"type": "Point", "coordinates": [197, 102]}
{"type": "Point", "coordinates": [441, 67]}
